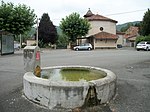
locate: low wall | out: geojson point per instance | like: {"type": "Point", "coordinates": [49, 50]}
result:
{"type": "Point", "coordinates": [68, 94]}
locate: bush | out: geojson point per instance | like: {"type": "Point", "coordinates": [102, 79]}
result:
{"type": "Point", "coordinates": [142, 38]}
{"type": "Point", "coordinates": [62, 42]}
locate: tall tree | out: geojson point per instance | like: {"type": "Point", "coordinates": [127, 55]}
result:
{"type": "Point", "coordinates": [74, 26]}
{"type": "Point", "coordinates": [145, 26]}
{"type": "Point", "coordinates": [16, 19]}
{"type": "Point", "coordinates": [46, 29]}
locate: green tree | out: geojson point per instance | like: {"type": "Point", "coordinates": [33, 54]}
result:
{"type": "Point", "coordinates": [142, 38]}
{"type": "Point", "coordinates": [47, 31]}
{"type": "Point", "coordinates": [62, 41]}
{"type": "Point", "coordinates": [16, 19]}
{"type": "Point", "coordinates": [74, 26]}
{"type": "Point", "coordinates": [145, 25]}
{"type": "Point", "coordinates": [137, 24]}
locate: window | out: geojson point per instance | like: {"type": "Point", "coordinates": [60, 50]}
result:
{"type": "Point", "coordinates": [101, 28]}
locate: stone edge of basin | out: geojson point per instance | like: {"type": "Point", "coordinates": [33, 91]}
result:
{"type": "Point", "coordinates": [40, 90]}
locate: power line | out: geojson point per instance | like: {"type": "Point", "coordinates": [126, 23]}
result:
{"type": "Point", "coordinates": [58, 19]}
{"type": "Point", "coordinates": [126, 12]}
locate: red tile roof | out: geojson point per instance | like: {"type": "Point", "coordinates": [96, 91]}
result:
{"type": "Point", "coordinates": [131, 32]}
{"type": "Point", "coordinates": [105, 35]}
{"type": "Point", "coordinates": [98, 17]}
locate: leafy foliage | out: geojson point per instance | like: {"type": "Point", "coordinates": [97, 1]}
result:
{"type": "Point", "coordinates": [142, 38]}
{"type": "Point", "coordinates": [16, 19]}
{"type": "Point", "coordinates": [74, 26]}
{"type": "Point", "coordinates": [145, 26]}
{"type": "Point", "coordinates": [62, 41]}
{"type": "Point", "coordinates": [47, 31]}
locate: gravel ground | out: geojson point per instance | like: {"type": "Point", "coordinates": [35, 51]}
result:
{"type": "Point", "coordinates": [131, 67]}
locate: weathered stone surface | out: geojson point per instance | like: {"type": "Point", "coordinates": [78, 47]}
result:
{"type": "Point", "coordinates": [63, 94]}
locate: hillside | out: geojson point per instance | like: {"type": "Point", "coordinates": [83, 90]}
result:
{"type": "Point", "coordinates": [125, 24]}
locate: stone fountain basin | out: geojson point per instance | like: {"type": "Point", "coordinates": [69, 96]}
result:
{"type": "Point", "coordinates": [68, 94]}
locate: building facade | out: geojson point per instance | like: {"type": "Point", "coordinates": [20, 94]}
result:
{"type": "Point", "coordinates": [130, 36]}
{"type": "Point", "coordinates": [103, 31]}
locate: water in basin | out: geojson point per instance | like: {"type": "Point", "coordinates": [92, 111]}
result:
{"type": "Point", "coordinates": [72, 74]}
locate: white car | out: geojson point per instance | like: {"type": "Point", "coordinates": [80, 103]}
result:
{"type": "Point", "coordinates": [84, 46]}
{"type": "Point", "coordinates": [143, 46]}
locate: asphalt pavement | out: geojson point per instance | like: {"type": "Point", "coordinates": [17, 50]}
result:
{"type": "Point", "coordinates": [131, 67]}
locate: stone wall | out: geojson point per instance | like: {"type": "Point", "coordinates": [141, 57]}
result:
{"type": "Point", "coordinates": [68, 94]}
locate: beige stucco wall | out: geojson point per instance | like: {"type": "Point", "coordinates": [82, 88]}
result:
{"type": "Point", "coordinates": [30, 42]}
{"type": "Point", "coordinates": [133, 38]}
{"type": "Point", "coordinates": [80, 41]}
{"type": "Point", "coordinates": [131, 42]}
{"type": "Point", "coordinates": [105, 44]}
{"type": "Point", "coordinates": [108, 26]}
{"type": "Point", "coordinates": [120, 40]}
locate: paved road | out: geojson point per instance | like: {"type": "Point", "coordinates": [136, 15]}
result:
{"type": "Point", "coordinates": [131, 67]}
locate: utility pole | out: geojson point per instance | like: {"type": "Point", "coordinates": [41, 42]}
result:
{"type": "Point", "coordinates": [20, 41]}
{"type": "Point", "coordinates": [37, 32]}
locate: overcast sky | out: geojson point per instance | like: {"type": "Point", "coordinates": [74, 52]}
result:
{"type": "Point", "coordinates": [58, 9]}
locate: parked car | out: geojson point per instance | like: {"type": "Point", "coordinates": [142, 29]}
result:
{"type": "Point", "coordinates": [143, 46]}
{"type": "Point", "coordinates": [119, 46]}
{"type": "Point", "coordinates": [84, 46]}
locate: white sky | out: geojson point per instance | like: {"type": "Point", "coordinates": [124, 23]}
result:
{"type": "Point", "coordinates": [58, 9]}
